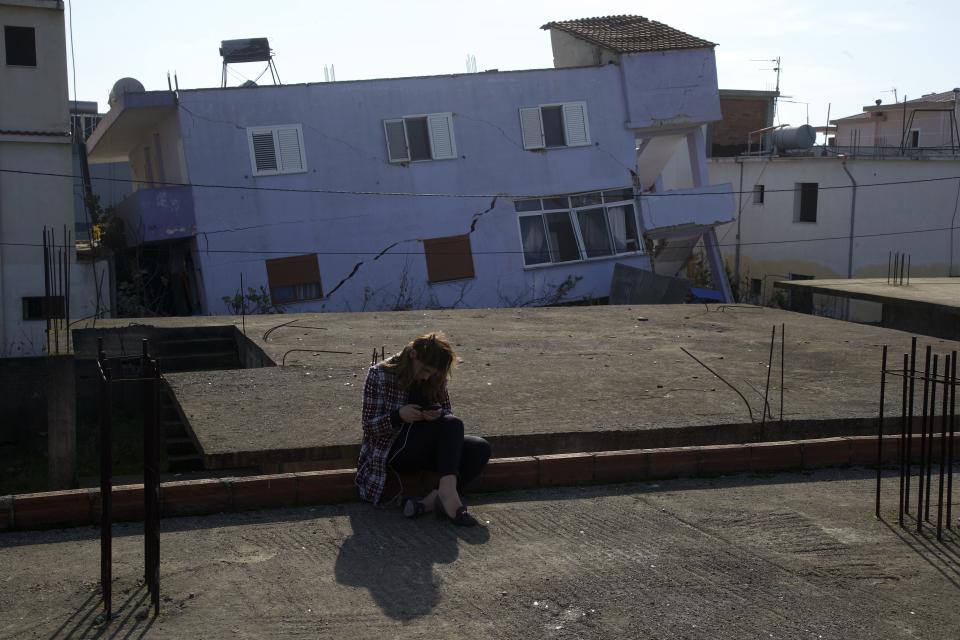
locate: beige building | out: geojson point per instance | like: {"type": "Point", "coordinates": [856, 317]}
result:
{"type": "Point", "coordinates": [34, 137]}
{"type": "Point", "coordinates": [925, 126]}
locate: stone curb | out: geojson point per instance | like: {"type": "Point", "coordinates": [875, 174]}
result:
{"type": "Point", "coordinates": [198, 497]}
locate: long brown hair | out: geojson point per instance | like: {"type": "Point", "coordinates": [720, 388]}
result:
{"type": "Point", "coordinates": [433, 350]}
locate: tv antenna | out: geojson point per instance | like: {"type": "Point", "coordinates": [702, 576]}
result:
{"type": "Point", "coordinates": [776, 67]}
{"type": "Point", "coordinates": [892, 90]}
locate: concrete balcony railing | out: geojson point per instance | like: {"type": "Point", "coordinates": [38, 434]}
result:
{"type": "Point", "coordinates": [683, 210]}
{"type": "Point", "coordinates": [157, 214]}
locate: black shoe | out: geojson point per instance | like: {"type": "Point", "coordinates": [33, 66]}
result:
{"type": "Point", "coordinates": [462, 518]}
{"type": "Point", "coordinates": [411, 507]}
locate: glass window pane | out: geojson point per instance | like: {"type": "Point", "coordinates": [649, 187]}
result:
{"type": "Point", "coordinates": [555, 203]}
{"type": "Point", "coordinates": [553, 127]}
{"type": "Point", "coordinates": [618, 195]}
{"type": "Point", "coordinates": [585, 199]}
{"type": "Point", "coordinates": [563, 242]}
{"type": "Point", "coordinates": [593, 230]}
{"type": "Point", "coordinates": [534, 240]}
{"type": "Point", "coordinates": [623, 228]}
{"type": "Point", "coordinates": [418, 138]}
{"type": "Point", "coordinates": [526, 205]}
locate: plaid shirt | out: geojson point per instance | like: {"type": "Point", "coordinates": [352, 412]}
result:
{"type": "Point", "coordinates": [382, 395]}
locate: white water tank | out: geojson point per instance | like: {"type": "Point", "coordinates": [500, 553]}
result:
{"type": "Point", "coordinates": [794, 138]}
{"type": "Point", "coordinates": [122, 86]}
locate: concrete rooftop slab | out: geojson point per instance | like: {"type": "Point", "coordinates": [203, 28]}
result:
{"type": "Point", "coordinates": [789, 556]}
{"type": "Point", "coordinates": [586, 378]}
{"type": "Point", "coordinates": [941, 294]}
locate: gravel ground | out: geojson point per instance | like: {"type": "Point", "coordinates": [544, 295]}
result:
{"type": "Point", "coordinates": [787, 556]}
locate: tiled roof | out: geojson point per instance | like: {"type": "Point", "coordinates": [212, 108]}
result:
{"type": "Point", "coordinates": [629, 34]}
{"type": "Point", "coordinates": [946, 96]}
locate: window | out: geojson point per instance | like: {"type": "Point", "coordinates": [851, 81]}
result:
{"type": "Point", "coordinates": [36, 307]}
{"type": "Point", "coordinates": [419, 138]}
{"type": "Point", "coordinates": [294, 279]}
{"type": "Point", "coordinates": [448, 258]}
{"type": "Point", "coordinates": [276, 150]}
{"type": "Point", "coordinates": [21, 46]}
{"type": "Point", "coordinates": [84, 125]}
{"type": "Point", "coordinates": [805, 202]}
{"type": "Point", "coordinates": [578, 227]}
{"type": "Point", "coordinates": [555, 125]}
{"type": "Point", "coordinates": [758, 193]}
{"type": "Point", "coordinates": [913, 138]}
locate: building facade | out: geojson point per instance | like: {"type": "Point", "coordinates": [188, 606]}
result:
{"type": "Point", "coordinates": [34, 140]}
{"type": "Point", "coordinates": [482, 189]}
{"type": "Point", "coordinates": [923, 127]}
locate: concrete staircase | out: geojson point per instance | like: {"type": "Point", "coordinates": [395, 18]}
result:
{"type": "Point", "coordinates": [200, 349]}
{"type": "Point", "coordinates": [181, 451]}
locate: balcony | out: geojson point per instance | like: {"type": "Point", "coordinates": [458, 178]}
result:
{"type": "Point", "coordinates": [686, 211]}
{"type": "Point", "coordinates": [158, 214]}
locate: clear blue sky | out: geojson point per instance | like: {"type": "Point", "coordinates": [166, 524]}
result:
{"type": "Point", "coordinates": [846, 53]}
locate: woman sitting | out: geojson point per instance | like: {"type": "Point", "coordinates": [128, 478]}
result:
{"type": "Point", "coordinates": [408, 426]}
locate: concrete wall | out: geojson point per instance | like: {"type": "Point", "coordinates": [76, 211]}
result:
{"type": "Point", "coordinates": [165, 149]}
{"type": "Point", "coordinates": [345, 149]}
{"type": "Point", "coordinates": [884, 212]}
{"type": "Point", "coordinates": [569, 51]}
{"type": "Point", "coordinates": [40, 100]}
{"type": "Point", "coordinates": [671, 89]}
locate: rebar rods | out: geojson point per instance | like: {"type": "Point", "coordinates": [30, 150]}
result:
{"type": "Point", "coordinates": [937, 431]}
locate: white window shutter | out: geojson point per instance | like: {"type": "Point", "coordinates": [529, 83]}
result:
{"type": "Point", "coordinates": [531, 128]}
{"type": "Point", "coordinates": [264, 154]}
{"type": "Point", "coordinates": [397, 148]}
{"type": "Point", "coordinates": [575, 124]}
{"type": "Point", "coordinates": [441, 136]}
{"type": "Point", "coordinates": [290, 149]}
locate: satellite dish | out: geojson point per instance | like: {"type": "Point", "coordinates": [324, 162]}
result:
{"type": "Point", "coordinates": [122, 86]}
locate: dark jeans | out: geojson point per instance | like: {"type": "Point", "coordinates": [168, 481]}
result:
{"type": "Point", "coordinates": [440, 446]}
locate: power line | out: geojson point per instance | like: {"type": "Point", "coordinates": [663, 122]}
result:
{"type": "Point", "coordinates": [512, 252]}
{"type": "Point", "coordinates": [410, 194]}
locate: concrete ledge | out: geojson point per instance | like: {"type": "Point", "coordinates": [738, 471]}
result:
{"type": "Point", "coordinates": [503, 474]}
{"type": "Point", "coordinates": [197, 497]}
{"type": "Point", "coordinates": [259, 492]}
{"type": "Point", "coordinates": [621, 466]}
{"type": "Point", "coordinates": [775, 456]}
{"type": "Point", "coordinates": [564, 469]}
{"type": "Point", "coordinates": [52, 509]}
{"type": "Point", "coordinates": [326, 487]}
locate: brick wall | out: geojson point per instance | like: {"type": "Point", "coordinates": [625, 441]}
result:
{"type": "Point", "coordinates": [740, 117]}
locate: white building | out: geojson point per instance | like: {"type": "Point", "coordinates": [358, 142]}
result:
{"type": "Point", "coordinates": [34, 139]}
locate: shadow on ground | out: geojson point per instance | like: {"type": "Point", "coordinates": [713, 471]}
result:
{"type": "Point", "coordinates": [394, 558]}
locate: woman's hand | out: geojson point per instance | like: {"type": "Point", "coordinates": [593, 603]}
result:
{"type": "Point", "coordinates": [431, 414]}
{"type": "Point", "coordinates": [411, 413]}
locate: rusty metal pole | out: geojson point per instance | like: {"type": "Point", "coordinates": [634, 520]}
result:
{"type": "Point", "coordinates": [931, 422]}
{"type": "Point", "coordinates": [149, 374]}
{"type": "Point", "coordinates": [953, 427]}
{"type": "Point", "coordinates": [883, 384]}
{"type": "Point", "coordinates": [943, 443]}
{"type": "Point", "coordinates": [783, 355]}
{"type": "Point", "coordinates": [913, 373]}
{"type": "Point", "coordinates": [766, 392]}
{"type": "Point", "coordinates": [923, 439]}
{"type": "Point", "coordinates": [903, 434]}
{"type": "Point", "coordinates": [106, 483]}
